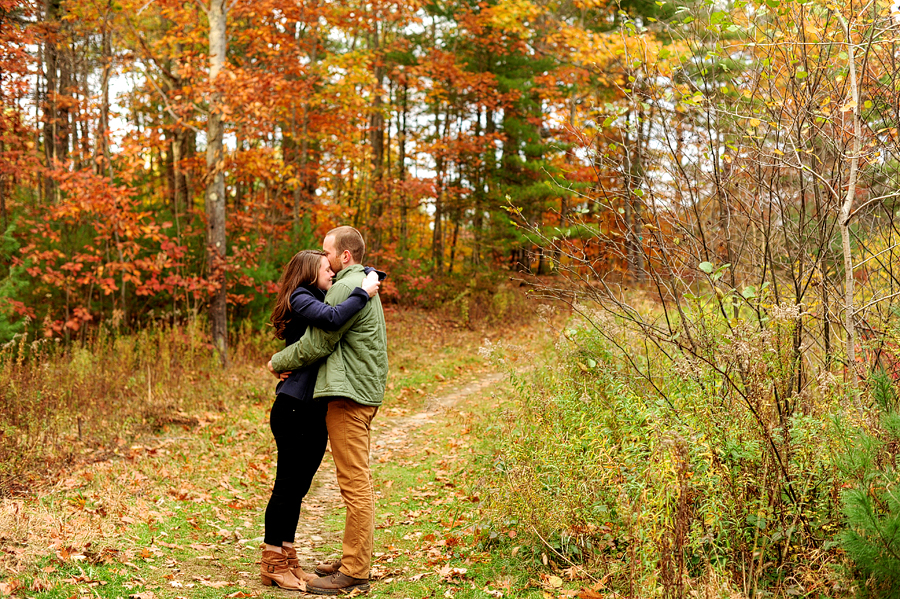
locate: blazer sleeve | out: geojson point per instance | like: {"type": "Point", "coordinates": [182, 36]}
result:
{"type": "Point", "coordinates": [325, 316]}
{"type": "Point", "coordinates": [381, 274]}
{"type": "Point", "coordinates": [315, 343]}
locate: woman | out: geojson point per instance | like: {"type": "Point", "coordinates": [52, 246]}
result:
{"type": "Point", "coordinates": [297, 420]}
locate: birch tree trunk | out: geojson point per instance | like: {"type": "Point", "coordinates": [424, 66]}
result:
{"type": "Point", "coordinates": [846, 214]}
{"type": "Point", "coordinates": [215, 184]}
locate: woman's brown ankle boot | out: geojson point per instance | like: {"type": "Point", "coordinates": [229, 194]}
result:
{"type": "Point", "coordinates": [299, 573]}
{"type": "Point", "coordinates": [274, 570]}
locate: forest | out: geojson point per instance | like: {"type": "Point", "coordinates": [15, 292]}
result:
{"type": "Point", "coordinates": [642, 294]}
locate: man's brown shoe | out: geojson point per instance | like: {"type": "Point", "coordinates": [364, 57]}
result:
{"type": "Point", "coordinates": [294, 564]}
{"type": "Point", "coordinates": [274, 570]}
{"type": "Point", "coordinates": [336, 584]}
{"type": "Point", "coordinates": [328, 569]}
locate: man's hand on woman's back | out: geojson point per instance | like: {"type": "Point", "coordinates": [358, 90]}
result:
{"type": "Point", "coordinates": [371, 284]}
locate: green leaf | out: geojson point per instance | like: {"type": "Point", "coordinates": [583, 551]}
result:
{"type": "Point", "coordinates": [706, 267]}
{"type": "Point", "coordinates": [749, 292]}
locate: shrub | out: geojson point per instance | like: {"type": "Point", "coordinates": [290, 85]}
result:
{"type": "Point", "coordinates": [667, 482]}
{"type": "Point", "coordinates": [871, 504]}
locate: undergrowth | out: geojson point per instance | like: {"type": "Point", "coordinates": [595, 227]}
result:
{"type": "Point", "coordinates": [679, 483]}
{"type": "Point", "coordinates": [59, 401]}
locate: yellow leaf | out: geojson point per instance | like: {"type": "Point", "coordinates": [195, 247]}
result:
{"type": "Point", "coordinates": [848, 106]}
{"type": "Point", "coordinates": [754, 122]}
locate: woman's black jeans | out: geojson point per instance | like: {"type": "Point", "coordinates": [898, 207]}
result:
{"type": "Point", "coordinates": [301, 437]}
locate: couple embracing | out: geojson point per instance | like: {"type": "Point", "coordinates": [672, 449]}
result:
{"type": "Point", "coordinates": [333, 373]}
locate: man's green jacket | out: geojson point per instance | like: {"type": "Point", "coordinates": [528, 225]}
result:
{"type": "Point", "coordinates": [357, 363]}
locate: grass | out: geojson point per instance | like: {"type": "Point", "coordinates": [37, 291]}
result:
{"type": "Point", "coordinates": [179, 512]}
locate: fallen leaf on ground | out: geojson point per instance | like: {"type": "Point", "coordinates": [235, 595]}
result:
{"type": "Point", "coordinates": [448, 574]}
{"type": "Point", "coordinates": [575, 573]}
{"type": "Point", "coordinates": [554, 581]}
{"type": "Point", "coordinates": [169, 545]}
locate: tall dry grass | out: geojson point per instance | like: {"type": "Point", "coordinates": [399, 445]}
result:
{"type": "Point", "coordinates": [61, 402]}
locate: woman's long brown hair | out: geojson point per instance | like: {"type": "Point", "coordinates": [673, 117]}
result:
{"type": "Point", "coordinates": [303, 269]}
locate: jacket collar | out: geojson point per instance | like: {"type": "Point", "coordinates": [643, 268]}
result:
{"type": "Point", "coordinates": [348, 270]}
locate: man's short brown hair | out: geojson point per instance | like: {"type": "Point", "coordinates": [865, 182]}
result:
{"type": "Point", "coordinates": [348, 238]}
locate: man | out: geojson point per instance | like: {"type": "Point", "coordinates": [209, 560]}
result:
{"type": "Point", "coordinates": [353, 379]}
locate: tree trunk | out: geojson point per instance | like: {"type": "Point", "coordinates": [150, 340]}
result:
{"type": "Point", "coordinates": [182, 147]}
{"type": "Point", "coordinates": [51, 117]}
{"type": "Point", "coordinates": [437, 245]}
{"type": "Point", "coordinates": [635, 177]}
{"type": "Point", "coordinates": [437, 239]}
{"type": "Point", "coordinates": [376, 140]}
{"type": "Point", "coordinates": [846, 215]}
{"type": "Point", "coordinates": [215, 185]}
{"type": "Point", "coordinates": [3, 214]}
{"type": "Point", "coordinates": [477, 176]}
{"type": "Point", "coordinates": [103, 133]}
{"type": "Point", "coordinates": [456, 219]}
{"type": "Point", "coordinates": [401, 162]}
{"type": "Point", "coordinates": [303, 159]}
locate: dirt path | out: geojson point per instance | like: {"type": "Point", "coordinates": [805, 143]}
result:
{"type": "Point", "coordinates": [392, 433]}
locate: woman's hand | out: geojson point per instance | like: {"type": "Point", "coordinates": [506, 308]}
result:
{"type": "Point", "coordinates": [371, 284]}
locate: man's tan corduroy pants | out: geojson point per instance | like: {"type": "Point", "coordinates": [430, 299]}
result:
{"type": "Point", "coordinates": [349, 431]}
